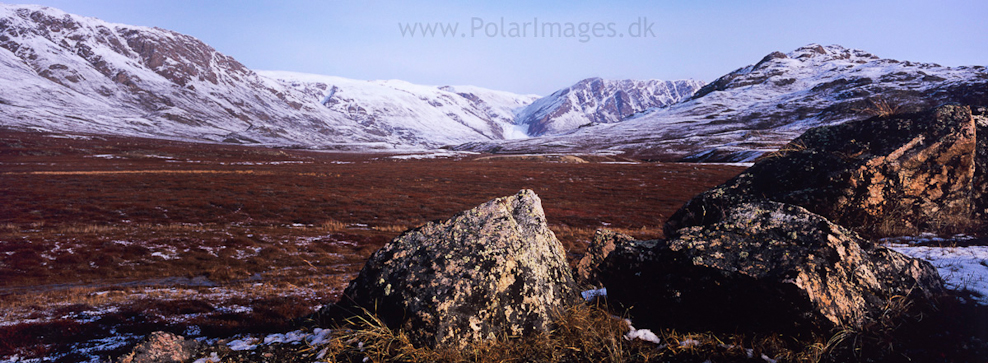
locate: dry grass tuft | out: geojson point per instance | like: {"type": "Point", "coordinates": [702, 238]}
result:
{"type": "Point", "coordinates": [794, 146]}
{"type": "Point", "coordinates": [880, 107]}
{"type": "Point", "coordinates": [390, 228]}
{"type": "Point", "coordinates": [332, 226]}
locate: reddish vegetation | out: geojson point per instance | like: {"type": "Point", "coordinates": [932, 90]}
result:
{"type": "Point", "coordinates": [59, 189]}
{"type": "Point", "coordinates": [58, 181]}
{"type": "Point", "coordinates": [97, 212]}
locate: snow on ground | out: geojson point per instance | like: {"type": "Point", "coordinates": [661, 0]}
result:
{"type": "Point", "coordinates": [591, 294]}
{"type": "Point", "coordinates": [962, 268]}
{"type": "Point", "coordinates": [641, 334]}
{"type": "Point", "coordinates": [249, 343]}
{"type": "Point", "coordinates": [315, 338]}
{"type": "Point", "coordinates": [961, 260]}
{"type": "Point", "coordinates": [434, 155]}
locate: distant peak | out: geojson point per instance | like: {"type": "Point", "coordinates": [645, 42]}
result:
{"type": "Point", "coordinates": [770, 57]}
{"type": "Point", "coordinates": [830, 52]}
{"type": "Point", "coordinates": [815, 48]}
{"type": "Point", "coordinates": [590, 80]}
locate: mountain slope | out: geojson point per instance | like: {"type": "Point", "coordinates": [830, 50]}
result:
{"type": "Point", "coordinates": [757, 108]}
{"type": "Point", "coordinates": [65, 72]}
{"type": "Point", "coordinates": [598, 101]}
{"type": "Point", "coordinates": [405, 107]}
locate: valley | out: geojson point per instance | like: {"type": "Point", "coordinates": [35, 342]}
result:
{"type": "Point", "coordinates": [150, 183]}
{"type": "Point", "coordinates": [106, 239]}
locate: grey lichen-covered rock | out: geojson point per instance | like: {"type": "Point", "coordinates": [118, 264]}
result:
{"type": "Point", "coordinates": [883, 176]}
{"type": "Point", "coordinates": [162, 347]}
{"type": "Point", "coordinates": [492, 271]}
{"type": "Point", "coordinates": [603, 243]}
{"type": "Point", "coordinates": [763, 266]}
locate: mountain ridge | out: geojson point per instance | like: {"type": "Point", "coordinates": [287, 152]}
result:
{"type": "Point", "coordinates": [758, 108]}
{"type": "Point", "coordinates": [70, 73]}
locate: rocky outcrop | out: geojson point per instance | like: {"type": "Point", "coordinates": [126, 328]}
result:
{"type": "Point", "coordinates": [762, 266]}
{"type": "Point", "coordinates": [604, 242]}
{"type": "Point", "coordinates": [162, 347]}
{"type": "Point", "coordinates": [492, 271]}
{"type": "Point", "coordinates": [882, 176]}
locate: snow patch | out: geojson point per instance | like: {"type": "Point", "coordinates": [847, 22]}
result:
{"type": "Point", "coordinates": [962, 268]}
{"type": "Point", "coordinates": [595, 293]}
{"type": "Point", "coordinates": [641, 334]}
{"type": "Point", "coordinates": [248, 343]}
{"type": "Point", "coordinates": [212, 358]}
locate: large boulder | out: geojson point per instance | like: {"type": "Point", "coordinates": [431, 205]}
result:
{"type": "Point", "coordinates": [604, 242]}
{"type": "Point", "coordinates": [492, 271]}
{"type": "Point", "coordinates": [762, 266]}
{"type": "Point", "coordinates": [882, 176]}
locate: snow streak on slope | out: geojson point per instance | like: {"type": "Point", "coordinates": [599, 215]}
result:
{"type": "Point", "coordinates": [65, 72]}
{"type": "Point", "coordinates": [595, 101]}
{"type": "Point", "coordinates": [762, 106]}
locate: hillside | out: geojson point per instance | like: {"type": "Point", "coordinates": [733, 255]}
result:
{"type": "Point", "coordinates": [68, 73]}
{"type": "Point", "coordinates": [760, 107]}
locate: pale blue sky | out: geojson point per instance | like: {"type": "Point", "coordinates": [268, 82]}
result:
{"type": "Point", "coordinates": [693, 39]}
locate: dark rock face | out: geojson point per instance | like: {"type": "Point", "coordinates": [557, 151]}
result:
{"type": "Point", "coordinates": [762, 266]}
{"type": "Point", "coordinates": [882, 176]}
{"type": "Point", "coordinates": [604, 242]}
{"type": "Point", "coordinates": [491, 271]}
{"type": "Point", "coordinates": [162, 347]}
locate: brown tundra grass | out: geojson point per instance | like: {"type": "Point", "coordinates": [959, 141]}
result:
{"type": "Point", "coordinates": [79, 232]}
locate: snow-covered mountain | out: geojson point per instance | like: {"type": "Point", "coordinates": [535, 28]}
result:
{"type": "Point", "coordinates": [598, 101]}
{"type": "Point", "coordinates": [69, 73]}
{"type": "Point", "coordinates": [64, 72]}
{"type": "Point", "coordinates": [759, 107]}
{"type": "Point", "coordinates": [488, 113]}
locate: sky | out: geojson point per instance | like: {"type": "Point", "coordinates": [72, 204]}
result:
{"type": "Point", "coordinates": [493, 47]}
